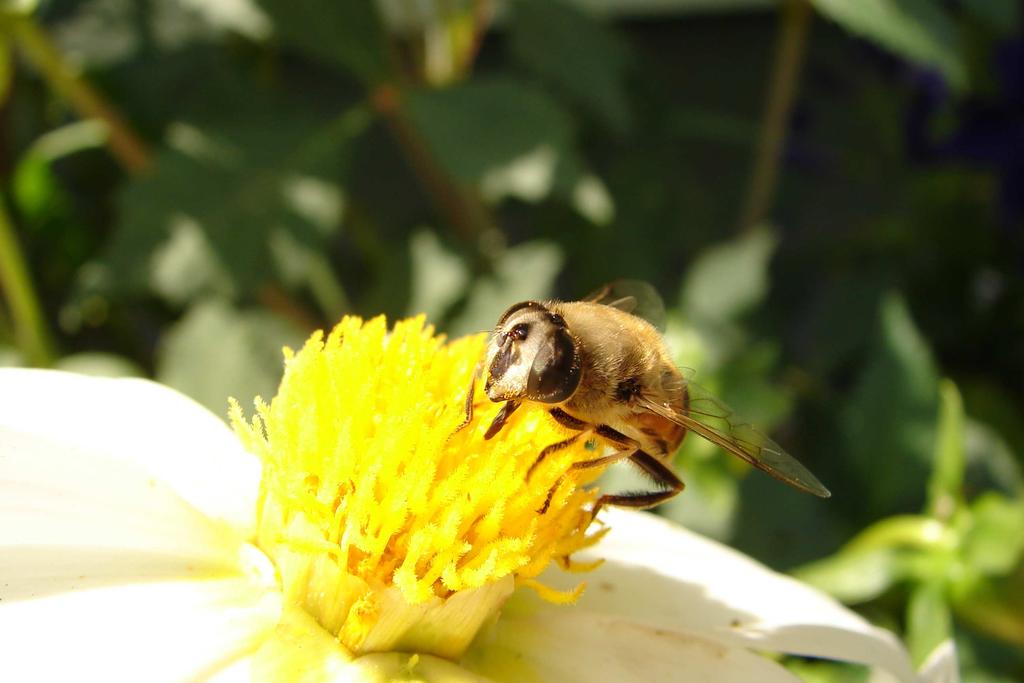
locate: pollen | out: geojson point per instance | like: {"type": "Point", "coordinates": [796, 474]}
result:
{"type": "Point", "coordinates": [387, 522]}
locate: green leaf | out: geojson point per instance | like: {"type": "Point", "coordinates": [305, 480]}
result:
{"type": "Point", "coordinates": [485, 124]}
{"type": "Point", "coordinates": [711, 502]}
{"type": "Point", "coordinates": [216, 351]}
{"type": "Point", "coordinates": [6, 68]}
{"type": "Point", "coordinates": [991, 463]}
{"type": "Point", "coordinates": [1000, 16]}
{"type": "Point", "coordinates": [946, 483]}
{"type": "Point", "coordinates": [438, 276]}
{"type": "Point", "coordinates": [526, 271]}
{"type": "Point", "coordinates": [36, 192]}
{"type": "Point", "coordinates": [347, 34]}
{"type": "Point", "coordinates": [820, 671]}
{"type": "Point", "coordinates": [928, 620]}
{"type": "Point", "coordinates": [240, 16]}
{"type": "Point", "coordinates": [187, 266]}
{"type": "Point", "coordinates": [18, 6]}
{"type": "Point", "coordinates": [855, 576]}
{"type": "Point", "coordinates": [574, 53]}
{"type": "Point", "coordinates": [203, 220]}
{"type": "Point", "coordinates": [994, 543]}
{"type": "Point", "coordinates": [745, 385]}
{"type": "Point", "coordinates": [99, 365]}
{"type": "Point", "coordinates": [888, 425]}
{"type": "Point", "coordinates": [920, 30]}
{"type": "Point", "coordinates": [729, 279]}
{"type": "Point", "coordinates": [11, 357]}
{"type": "Point", "coordinates": [777, 523]}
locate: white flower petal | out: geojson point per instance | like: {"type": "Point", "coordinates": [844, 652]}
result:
{"type": "Point", "coordinates": [174, 438]}
{"type": "Point", "coordinates": [172, 631]}
{"type": "Point", "coordinates": [941, 665]}
{"type": "Point", "coordinates": [71, 518]}
{"type": "Point", "coordinates": [664, 576]}
{"type": "Point", "coordinates": [537, 641]}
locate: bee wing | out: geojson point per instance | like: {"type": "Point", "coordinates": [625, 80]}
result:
{"type": "Point", "coordinates": [714, 421]}
{"type": "Point", "coordinates": [636, 297]}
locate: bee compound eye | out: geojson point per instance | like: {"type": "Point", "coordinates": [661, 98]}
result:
{"type": "Point", "coordinates": [555, 372]}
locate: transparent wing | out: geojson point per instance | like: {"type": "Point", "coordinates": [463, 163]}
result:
{"type": "Point", "coordinates": [632, 296]}
{"type": "Point", "coordinates": [714, 421]}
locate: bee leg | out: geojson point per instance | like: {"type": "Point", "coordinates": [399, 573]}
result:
{"type": "Point", "coordinates": [470, 393]}
{"type": "Point", "coordinates": [499, 419]}
{"type": "Point", "coordinates": [566, 420]}
{"type": "Point", "coordinates": [553, 448]}
{"type": "Point", "coordinates": [628, 445]}
{"type": "Point", "coordinates": [662, 476]}
{"type": "Point", "coordinates": [586, 464]}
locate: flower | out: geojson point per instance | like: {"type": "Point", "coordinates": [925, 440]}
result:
{"type": "Point", "coordinates": [139, 539]}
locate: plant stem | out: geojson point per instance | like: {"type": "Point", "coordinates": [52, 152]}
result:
{"type": "Point", "coordinates": [795, 21]}
{"type": "Point", "coordinates": [30, 330]}
{"type": "Point", "coordinates": [130, 151]}
{"type": "Point", "coordinates": [467, 215]}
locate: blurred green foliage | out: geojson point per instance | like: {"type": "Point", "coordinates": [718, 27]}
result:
{"type": "Point", "coordinates": [188, 186]}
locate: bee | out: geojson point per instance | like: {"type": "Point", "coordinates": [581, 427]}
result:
{"type": "Point", "coordinates": [600, 369]}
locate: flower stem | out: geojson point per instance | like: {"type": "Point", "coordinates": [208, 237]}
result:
{"type": "Point", "coordinates": [30, 330]}
{"type": "Point", "coordinates": [37, 47]}
{"type": "Point", "coordinates": [789, 56]}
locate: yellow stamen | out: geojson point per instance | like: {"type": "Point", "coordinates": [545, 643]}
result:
{"type": "Point", "coordinates": [388, 526]}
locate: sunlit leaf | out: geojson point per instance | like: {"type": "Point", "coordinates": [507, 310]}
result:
{"type": "Point", "coordinates": [99, 365]}
{"type": "Point", "coordinates": [526, 271]}
{"type": "Point", "coordinates": [821, 671]}
{"type": "Point", "coordinates": [438, 276]}
{"type": "Point", "coordinates": [928, 620]}
{"type": "Point", "coordinates": [36, 191]}
{"type": "Point", "coordinates": [216, 351]}
{"type": "Point", "coordinates": [727, 280]}
{"type": "Point", "coordinates": [10, 357]}
{"type": "Point", "coordinates": [19, 6]}
{"type": "Point", "coordinates": [946, 483]}
{"type": "Point", "coordinates": [920, 30]}
{"type": "Point", "coordinates": [241, 16]}
{"type": "Point", "coordinates": [203, 219]}
{"type": "Point", "coordinates": [855, 577]}
{"type": "Point", "coordinates": [994, 543]}
{"type": "Point", "coordinates": [576, 54]}
{"type": "Point", "coordinates": [186, 266]}
{"type": "Point", "coordinates": [101, 33]}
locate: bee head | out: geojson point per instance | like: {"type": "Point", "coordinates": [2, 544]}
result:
{"type": "Point", "coordinates": [531, 355]}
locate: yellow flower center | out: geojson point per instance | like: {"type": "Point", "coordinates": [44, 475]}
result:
{"type": "Point", "coordinates": [387, 523]}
